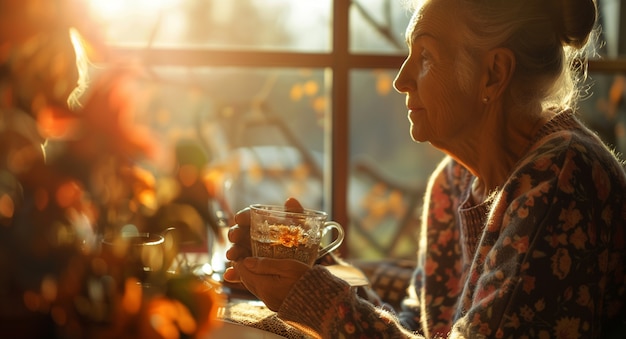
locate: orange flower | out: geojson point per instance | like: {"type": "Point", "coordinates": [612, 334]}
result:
{"type": "Point", "coordinates": [561, 263]}
{"type": "Point", "coordinates": [108, 124]}
{"type": "Point", "coordinates": [567, 328]}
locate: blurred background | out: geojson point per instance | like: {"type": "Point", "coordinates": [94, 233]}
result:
{"type": "Point", "coordinates": [294, 98]}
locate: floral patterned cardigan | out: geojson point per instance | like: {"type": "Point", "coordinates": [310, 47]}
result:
{"type": "Point", "coordinates": [544, 257]}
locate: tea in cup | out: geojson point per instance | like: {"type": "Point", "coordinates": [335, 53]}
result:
{"type": "Point", "coordinates": [281, 234]}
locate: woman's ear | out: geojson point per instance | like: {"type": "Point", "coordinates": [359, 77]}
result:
{"type": "Point", "coordinates": [499, 65]}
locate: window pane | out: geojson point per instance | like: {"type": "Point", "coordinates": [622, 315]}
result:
{"type": "Point", "coordinates": [296, 25]}
{"type": "Point", "coordinates": [378, 26]}
{"type": "Point", "coordinates": [262, 130]}
{"type": "Point", "coordinates": [388, 170]}
{"type": "Point", "coordinates": [611, 17]}
{"type": "Point", "coordinates": [603, 111]}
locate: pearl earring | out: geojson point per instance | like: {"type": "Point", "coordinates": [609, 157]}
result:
{"type": "Point", "coordinates": [485, 100]}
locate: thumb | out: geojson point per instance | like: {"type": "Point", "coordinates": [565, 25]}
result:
{"type": "Point", "coordinates": [231, 275]}
{"type": "Point", "coordinates": [251, 262]}
{"type": "Point", "coordinates": [293, 205]}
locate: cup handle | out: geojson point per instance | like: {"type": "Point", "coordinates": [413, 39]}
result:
{"type": "Point", "coordinates": [329, 225]}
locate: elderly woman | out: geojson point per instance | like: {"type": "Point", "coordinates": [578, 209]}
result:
{"type": "Point", "coordinates": [524, 224]}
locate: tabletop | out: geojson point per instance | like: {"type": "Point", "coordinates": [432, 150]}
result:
{"type": "Point", "coordinates": [245, 317]}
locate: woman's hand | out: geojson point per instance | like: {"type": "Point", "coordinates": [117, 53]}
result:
{"type": "Point", "coordinates": [239, 236]}
{"type": "Point", "coordinates": [269, 279]}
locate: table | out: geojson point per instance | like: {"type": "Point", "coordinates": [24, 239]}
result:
{"type": "Point", "coordinates": [255, 320]}
{"type": "Point", "coordinates": [229, 330]}
{"type": "Point", "coordinates": [243, 316]}
{"type": "Point", "coordinates": [246, 317]}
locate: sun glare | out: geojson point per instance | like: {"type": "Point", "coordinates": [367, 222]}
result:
{"type": "Point", "coordinates": [113, 8]}
{"type": "Point", "coordinates": [106, 8]}
{"type": "Point", "coordinates": [184, 22]}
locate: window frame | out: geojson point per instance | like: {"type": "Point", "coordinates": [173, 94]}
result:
{"type": "Point", "coordinates": [340, 61]}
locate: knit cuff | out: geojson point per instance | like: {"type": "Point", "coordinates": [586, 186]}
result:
{"type": "Point", "coordinates": [312, 298]}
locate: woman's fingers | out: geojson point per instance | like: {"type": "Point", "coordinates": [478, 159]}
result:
{"type": "Point", "coordinates": [243, 217]}
{"type": "Point", "coordinates": [231, 275]}
{"type": "Point", "coordinates": [293, 205]}
{"type": "Point", "coordinates": [238, 234]}
{"type": "Point", "coordinates": [237, 252]}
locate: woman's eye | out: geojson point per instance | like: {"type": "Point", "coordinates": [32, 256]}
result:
{"type": "Point", "coordinates": [425, 59]}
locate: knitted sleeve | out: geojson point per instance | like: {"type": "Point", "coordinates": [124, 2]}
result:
{"type": "Point", "coordinates": [325, 306]}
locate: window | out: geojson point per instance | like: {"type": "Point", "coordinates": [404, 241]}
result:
{"type": "Point", "coordinates": [295, 98]}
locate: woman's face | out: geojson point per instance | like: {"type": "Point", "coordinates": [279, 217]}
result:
{"type": "Point", "coordinates": [440, 111]}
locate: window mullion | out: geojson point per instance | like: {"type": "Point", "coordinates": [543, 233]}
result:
{"type": "Point", "coordinates": [336, 190]}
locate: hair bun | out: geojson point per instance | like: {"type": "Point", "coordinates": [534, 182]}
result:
{"type": "Point", "coordinates": [574, 20]}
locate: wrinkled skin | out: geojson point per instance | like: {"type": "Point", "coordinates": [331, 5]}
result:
{"type": "Point", "coordinates": [268, 279]}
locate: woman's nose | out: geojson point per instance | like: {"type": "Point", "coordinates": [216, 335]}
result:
{"type": "Point", "coordinates": [403, 82]}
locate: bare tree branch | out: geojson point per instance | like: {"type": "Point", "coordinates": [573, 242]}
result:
{"type": "Point", "coordinates": [384, 30]}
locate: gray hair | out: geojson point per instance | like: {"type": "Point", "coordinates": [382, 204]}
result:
{"type": "Point", "coordinates": [551, 40]}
